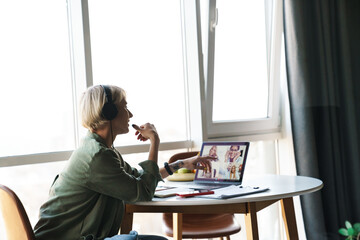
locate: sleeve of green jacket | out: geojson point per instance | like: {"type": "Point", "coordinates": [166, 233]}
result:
{"type": "Point", "coordinates": [111, 176]}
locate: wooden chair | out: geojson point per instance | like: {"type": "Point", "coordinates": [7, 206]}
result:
{"type": "Point", "coordinates": [16, 221]}
{"type": "Point", "coordinates": [201, 225]}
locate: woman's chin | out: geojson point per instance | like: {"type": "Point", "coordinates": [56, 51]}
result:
{"type": "Point", "coordinates": [124, 131]}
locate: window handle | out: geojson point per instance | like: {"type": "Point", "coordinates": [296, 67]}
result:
{"type": "Point", "coordinates": [214, 21]}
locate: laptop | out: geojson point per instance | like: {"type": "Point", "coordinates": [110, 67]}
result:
{"type": "Point", "coordinates": [228, 169]}
{"type": "Point", "coordinates": [225, 175]}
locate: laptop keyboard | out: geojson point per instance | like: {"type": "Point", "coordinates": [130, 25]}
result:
{"type": "Point", "coordinates": [206, 185]}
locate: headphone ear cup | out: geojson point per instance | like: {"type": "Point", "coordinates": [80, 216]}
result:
{"type": "Point", "coordinates": [109, 111]}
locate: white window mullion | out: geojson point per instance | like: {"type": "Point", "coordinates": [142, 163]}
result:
{"type": "Point", "coordinates": [210, 53]}
{"type": "Point", "coordinates": [275, 62]}
{"type": "Point", "coordinates": [34, 158]}
{"type": "Point", "coordinates": [194, 70]}
{"type": "Point", "coordinates": [78, 14]}
{"type": "Point", "coordinates": [64, 155]}
{"type": "Point", "coordinates": [269, 23]}
{"type": "Point", "coordinates": [81, 64]}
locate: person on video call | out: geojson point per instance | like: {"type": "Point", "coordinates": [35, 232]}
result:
{"type": "Point", "coordinates": [86, 200]}
{"type": "Point", "coordinates": [233, 172]}
{"type": "Point", "coordinates": [232, 154]}
{"type": "Point", "coordinates": [214, 164]}
{"type": "Point", "coordinates": [232, 157]}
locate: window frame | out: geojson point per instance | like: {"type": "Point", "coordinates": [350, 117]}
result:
{"type": "Point", "coordinates": [253, 129]}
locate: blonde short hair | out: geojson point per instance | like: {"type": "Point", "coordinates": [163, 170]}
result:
{"type": "Point", "coordinates": [92, 102]}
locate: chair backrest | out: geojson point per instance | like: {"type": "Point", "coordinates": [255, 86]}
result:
{"type": "Point", "coordinates": [16, 221]}
{"type": "Point", "coordinates": [182, 155]}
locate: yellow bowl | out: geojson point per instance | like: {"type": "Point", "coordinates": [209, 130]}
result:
{"type": "Point", "coordinates": [177, 177]}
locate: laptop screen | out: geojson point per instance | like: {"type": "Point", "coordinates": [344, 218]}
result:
{"type": "Point", "coordinates": [230, 163]}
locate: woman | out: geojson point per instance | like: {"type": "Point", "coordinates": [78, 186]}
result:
{"type": "Point", "coordinates": [233, 172]}
{"type": "Point", "coordinates": [87, 198]}
{"type": "Point", "coordinates": [232, 154]}
{"type": "Point", "coordinates": [215, 164]}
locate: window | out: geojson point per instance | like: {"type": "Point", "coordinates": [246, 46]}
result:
{"type": "Point", "coordinates": [133, 47]}
{"type": "Point", "coordinates": [242, 68]}
{"type": "Point", "coordinates": [175, 64]}
{"type": "Point", "coordinates": [36, 98]}
{"type": "Point", "coordinates": [240, 63]}
{"type": "Point", "coordinates": [139, 48]}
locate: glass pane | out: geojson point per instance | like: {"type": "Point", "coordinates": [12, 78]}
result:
{"type": "Point", "coordinates": [240, 71]}
{"type": "Point", "coordinates": [36, 97]}
{"type": "Point", "coordinates": [24, 179]}
{"type": "Point", "coordinates": [137, 45]}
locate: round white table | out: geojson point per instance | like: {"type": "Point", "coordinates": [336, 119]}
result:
{"type": "Point", "coordinates": [282, 188]}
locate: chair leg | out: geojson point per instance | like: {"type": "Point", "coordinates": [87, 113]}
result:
{"type": "Point", "coordinates": [227, 237]}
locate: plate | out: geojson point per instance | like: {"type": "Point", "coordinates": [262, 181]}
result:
{"type": "Point", "coordinates": [178, 177]}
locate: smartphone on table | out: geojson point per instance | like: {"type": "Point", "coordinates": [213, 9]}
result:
{"type": "Point", "coordinates": [195, 193]}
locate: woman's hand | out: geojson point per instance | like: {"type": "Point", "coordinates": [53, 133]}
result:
{"type": "Point", "coordinates": [237, 155]}
{"type": "Point", "coordinates": [145, 132]}
{"type": "Point", "coordinates": [227, 154]}
{"type": "Point", "coordinates": [191, 163]}
{"type": "Point", "coordinates": [199, 162]}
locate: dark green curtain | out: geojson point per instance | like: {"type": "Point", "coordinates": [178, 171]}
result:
{"type": "Point", "coordinates": [322, 46]}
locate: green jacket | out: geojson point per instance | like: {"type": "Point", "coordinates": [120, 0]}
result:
{"type": "Point", "coordinates": [88, 196]}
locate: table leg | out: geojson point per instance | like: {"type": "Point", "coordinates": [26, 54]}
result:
{"type": "Point", "coordinates": [251, 222]}
{"type": "Point", "coordinates": [177, 226]}
{"type": "Point", "coordinates": [126, 224]}
{"type": "Point", "coordinates": [288, 213]}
